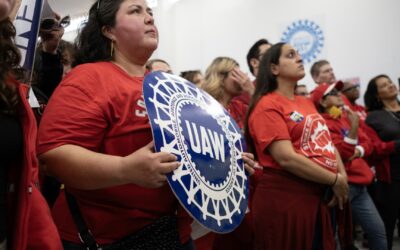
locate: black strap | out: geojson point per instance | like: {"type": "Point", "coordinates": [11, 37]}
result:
{"type": "Point", "coordinates": [84, 233]}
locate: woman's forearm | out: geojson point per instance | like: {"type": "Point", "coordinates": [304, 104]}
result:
{"type": "Point", "coordinates": [81, 168]}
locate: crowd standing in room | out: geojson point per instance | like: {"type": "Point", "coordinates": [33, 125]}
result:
{"type": "Point", "coordinates": [320, 163]}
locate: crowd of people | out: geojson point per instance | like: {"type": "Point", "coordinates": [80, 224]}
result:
{"type": "Point", "coordinates": [87, 177]}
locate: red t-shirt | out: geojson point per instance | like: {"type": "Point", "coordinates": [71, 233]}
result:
{"type": "Point", "coordinates": [276, 117]}
{"type": "Point", "coordinates": [100, 107]}
{"type": "Point", "coordinates": [244, 98]}
{"type": "Point", "coordinates": [238, 110]}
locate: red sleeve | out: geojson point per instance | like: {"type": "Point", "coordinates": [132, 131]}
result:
{"type": "Point", "coordinates": [365, 142]}
{"type": "Point", "coordinates": [346, 150]}
{"type": "Point", "coordinates": [266, 127]}
{"type": "Point", "coordinates": [71, 117]}
{"type": "Point", "coordinates": [238, 112]}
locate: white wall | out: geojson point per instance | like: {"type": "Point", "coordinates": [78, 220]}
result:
{"type": "Point", "coordinates": [362, 36]}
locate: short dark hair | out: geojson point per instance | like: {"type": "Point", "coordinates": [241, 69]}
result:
{"type": "Point", "coordinates": [254, 52]}
{"type": "Point", "coordinates": [315, 68]}
{"type": "Point", "coordinates": [371, 99]}
{"type": "Point", "coordinates": [91, 44]}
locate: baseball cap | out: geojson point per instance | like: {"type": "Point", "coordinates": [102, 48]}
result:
{"type": "Point", "coordinates": [324, 89]}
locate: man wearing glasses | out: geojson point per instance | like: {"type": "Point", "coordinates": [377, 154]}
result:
{"type": "Point", "coordinates": [352, 91]}
{"type": "Point", "coordinates": [48, 60]}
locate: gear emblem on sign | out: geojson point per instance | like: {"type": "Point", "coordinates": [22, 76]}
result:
{"type": "Point", "coordinates": [211, 183]}
{"type": "Point", "coordinates": [307, 37]}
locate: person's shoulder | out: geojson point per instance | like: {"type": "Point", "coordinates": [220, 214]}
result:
{"type": "Point", "coordinates": [375, 113]}
{"type": "Point", "coordinates": [96, 67]}
{"type": "Point", "coordinates": [270, 101]}
{"type": "Point", "coordinates": [270, 98]}
{"type": "Point", "coordinates": [375, 116]}
{"type": "Point", "coordinates": [87, 72]}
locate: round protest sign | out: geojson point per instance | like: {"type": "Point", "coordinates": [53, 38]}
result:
{"type": "Point", "coordinates": [211, 183]}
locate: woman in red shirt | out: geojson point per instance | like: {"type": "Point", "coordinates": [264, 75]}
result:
{"type": "Point", "coordinates": [95, 137]}
{"type": "Point", "coordinates": [292, 142]}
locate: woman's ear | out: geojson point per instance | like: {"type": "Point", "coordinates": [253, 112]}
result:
{"type": "Point", "coordinates": [108, 32]}
{"type": "Point", "coordinates": [275, 69]}
{"type": "Point", "coordinates": [254, 62]}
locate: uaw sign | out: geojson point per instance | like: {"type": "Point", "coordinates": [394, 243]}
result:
{"type": "Point", "coordinates": [211, 183]}
{"type": "Point", "coordinates": [27, 27]}
{"type": "Point", "coordinates": [307, 37]}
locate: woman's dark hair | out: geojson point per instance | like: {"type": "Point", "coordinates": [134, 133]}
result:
{"type": "Point", "coordinates": [266, 82]}
{"type": "Point", "coordinates": [91, 44]}
{"type": "Point", "coordinates": [371, 100]}
{"type": "Point", "coordinates": [9, 59]}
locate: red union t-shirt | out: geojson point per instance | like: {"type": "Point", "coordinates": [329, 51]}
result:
{"type": "Point", "coordinates": [238, 110]}
{"type": "Point", "coordinates": [100, 107]}
{"type": "Point", "coordinates": [276, 117]}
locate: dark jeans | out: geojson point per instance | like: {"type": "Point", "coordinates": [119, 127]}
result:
{"type": "Point", "coordinates": [367, 216]}
{"type": "Point", "coordinates": [73, 246]}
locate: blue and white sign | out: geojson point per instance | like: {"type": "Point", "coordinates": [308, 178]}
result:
{"type": "Point", "coordinates": [211, 183]}
{"type": "Point", "coordinates": [27, 28]}
{"type": "Point", "coordinates": [307, 37]}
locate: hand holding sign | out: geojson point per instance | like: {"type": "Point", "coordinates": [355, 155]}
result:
{"type": "Point", "coordinates": [249, 163]}
{"type": "Point", "coordinates": [153, 167]}
{"type": "Point", "coordinates": [211, 184]}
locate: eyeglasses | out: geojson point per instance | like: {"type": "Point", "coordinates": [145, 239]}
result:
{"type": "Point", "coordinates": [334, 92]}
{"type": "Point", "coordinates": [357, 86]}
{"type": "Point", "coordinates": [49, 24]}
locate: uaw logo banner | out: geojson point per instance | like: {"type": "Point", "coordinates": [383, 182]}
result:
{"type": "Point", "coordinates": [211, 183]}
{"type": "Point", "coordinates": [27, 27]}
{"type": "Point", "coordinates": [307, 37]}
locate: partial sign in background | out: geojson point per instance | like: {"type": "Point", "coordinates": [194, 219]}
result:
{"type": "Point", "coordinates": [27, 24]}
{"type": "Point", "coordinates": [211, 183]}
